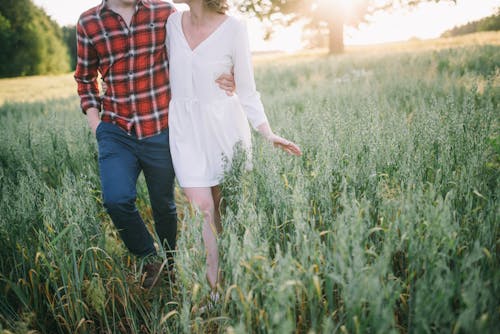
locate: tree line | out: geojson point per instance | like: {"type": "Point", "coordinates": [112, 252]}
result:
{"type": "Point", "coordinates": [326, 17]}
{"type": "Point", "coordinates": [490, 23]}
{"type": "Point", "coordinates": [31, 42]}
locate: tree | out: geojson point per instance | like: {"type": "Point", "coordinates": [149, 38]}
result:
{"type": "Point", "coordinates": [31, 42]}
{"type": "Point", "coordinates": [329, 15]}
{"type": "Point", "coordinates": [69, 36]}
{"type": "Point", "coordinates": [490, 23]}
{"type": "Point", "coordinates": [5, 42]}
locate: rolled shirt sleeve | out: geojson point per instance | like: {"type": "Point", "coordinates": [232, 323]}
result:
{"type": "Point", "coordinates": [86, 71]}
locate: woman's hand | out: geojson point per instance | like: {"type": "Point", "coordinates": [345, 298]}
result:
{"type": "Point", "coordinates": [285, 145]}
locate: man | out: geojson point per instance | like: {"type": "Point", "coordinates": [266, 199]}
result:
{"type": "Point", "coordinates": [124, 41]}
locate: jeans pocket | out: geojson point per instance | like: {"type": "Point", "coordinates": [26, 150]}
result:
{"type": "Point", "coordinates": [105, 149]}
{"type": "Point", "coordinates": [97, 129]}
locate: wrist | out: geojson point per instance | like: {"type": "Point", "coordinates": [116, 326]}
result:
{"type": "Point", "coordinates": [269, 136]}
{"type": "Point", "coordinates": [93, 115]}
{"type": "Point", "coordinates": [265, 131]}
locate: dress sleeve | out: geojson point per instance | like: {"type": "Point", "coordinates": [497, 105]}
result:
{"type": "Point", "coordinates": [244, 78]}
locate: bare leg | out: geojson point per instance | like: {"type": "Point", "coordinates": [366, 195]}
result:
{"type": "Point", "coordinates": [202, 199]}
{"type": "Point", "coordinates": [218, 206]}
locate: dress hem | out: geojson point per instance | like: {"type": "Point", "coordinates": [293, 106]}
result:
{"type": "Point", "coordinates": [200, 185]}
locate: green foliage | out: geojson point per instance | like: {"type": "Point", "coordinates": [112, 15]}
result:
{"type": "Point", "coordinates": [69, 35]}
{"type": "Point", "coordinates": [31, 41]}
{"type": "Point", "coordinates": [5, 41]}
{"type": "Point", "coordinates": [490, 23]}
{"type": "Point", "coordinates": [388, 223]}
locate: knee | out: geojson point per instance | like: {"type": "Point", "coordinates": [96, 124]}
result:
{"type": "Point", "coordinates": [170, 207]}
{"type": "Point", "coordinates": [119, 205]}
{"type": "Point", "coordinates": [205, 205]}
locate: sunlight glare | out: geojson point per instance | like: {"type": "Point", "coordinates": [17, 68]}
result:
{"type": "Point", "coordinates": [427, 20]}
{"type": "Point", "coordinates": [330, 4]}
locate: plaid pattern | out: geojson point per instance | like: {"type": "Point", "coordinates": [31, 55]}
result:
{"type": "Point", "coordinates": [133, 63]}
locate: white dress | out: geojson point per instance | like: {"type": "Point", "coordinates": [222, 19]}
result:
{"type": "Point", "coordinates": [205, 123]}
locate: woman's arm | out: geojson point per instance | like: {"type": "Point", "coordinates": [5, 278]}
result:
{"type": "Point", "coordinates": [244, 78]}
{"type": "Point", "coordinates": [248, 95]}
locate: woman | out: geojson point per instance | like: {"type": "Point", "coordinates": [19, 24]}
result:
{"type": "Point", "coordinates": [205, 123]}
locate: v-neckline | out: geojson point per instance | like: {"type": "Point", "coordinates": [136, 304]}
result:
{"type": "Point", "coordinates": [206, 38]}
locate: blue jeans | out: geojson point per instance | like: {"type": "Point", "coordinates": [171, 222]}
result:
{"type": "Point", "coordinates": [121, 158]}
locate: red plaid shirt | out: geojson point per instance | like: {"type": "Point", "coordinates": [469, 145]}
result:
{"type": "Point", "coordinates": [132, 62]}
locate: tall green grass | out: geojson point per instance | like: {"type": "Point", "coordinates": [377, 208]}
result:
{"type": "Point", "coordinates": [388, 223]}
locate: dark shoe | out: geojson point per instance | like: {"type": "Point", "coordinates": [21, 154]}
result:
{"type": "Point", "coordinates": [170, 276]}
{"type": "Point", "coordinates": [151, 273]}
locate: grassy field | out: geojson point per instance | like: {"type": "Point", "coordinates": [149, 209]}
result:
{"type": "Point", "coordinates": [388, 223]}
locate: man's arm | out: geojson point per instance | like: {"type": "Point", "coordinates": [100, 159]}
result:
{"type": "Point", "coordinates": [226, 82]}
{"type": "Point", "coordinates": [93, 118]}
{"type": "Point", "coordinates": [86, 77]}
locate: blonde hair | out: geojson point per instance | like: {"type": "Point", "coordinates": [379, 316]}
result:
{"type": "Point", "coordinates": [220, 6]}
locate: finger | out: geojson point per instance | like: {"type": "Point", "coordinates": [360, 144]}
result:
{"type": "Point", "coordinates": [291, 148]}
{"type": "Point", "coordinates": [282, 146]}
{"type": "Point", "coordinates": [290, 151]}
{"type": "Point", "coordinates": [297, 152]}
{"type": "Point", "coordinates": [226, 84]}
{"type": "Point", "coordinates": [294, 147]}
{"type": "Point", "coordinates": [286, 142]}
{"type": "Point", "coordinates": [225, 77]}
{"type": "Point", "coordinates": [228, 89]}
{"type": "Point", "coordinates": [282, 143]}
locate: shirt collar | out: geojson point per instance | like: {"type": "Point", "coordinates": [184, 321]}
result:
{"type": "Point", "coordinates": [143, 2]}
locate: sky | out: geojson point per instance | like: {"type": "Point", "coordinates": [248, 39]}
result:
{"type": "Point", "coordinates": [427, 21]}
